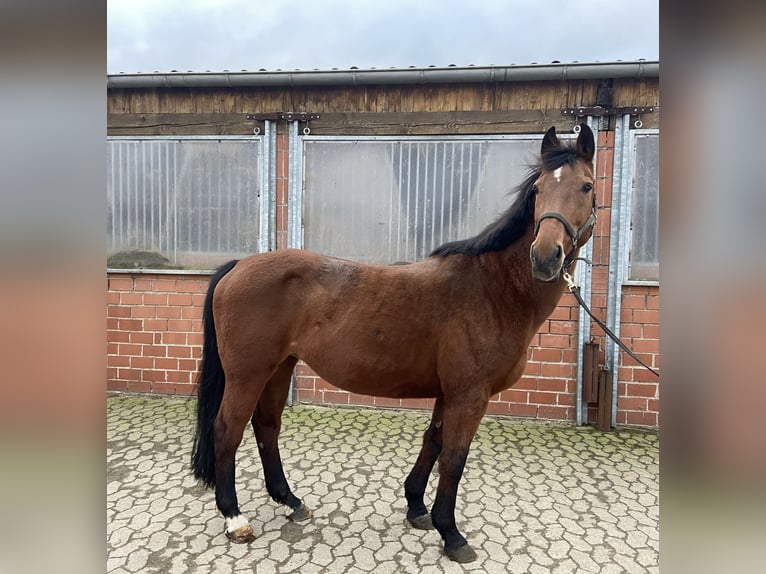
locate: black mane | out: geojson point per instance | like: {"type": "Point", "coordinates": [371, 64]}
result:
{"type": "Point", "coordinates": [512, 224]}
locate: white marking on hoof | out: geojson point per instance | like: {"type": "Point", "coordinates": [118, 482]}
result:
{"type": "Point", "coordinates": [236, 522]}
{"type": "Point", "coordinates": [557, 174]}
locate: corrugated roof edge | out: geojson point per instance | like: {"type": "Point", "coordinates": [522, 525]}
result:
{"type": "Point", "coordinates": [412, 75]}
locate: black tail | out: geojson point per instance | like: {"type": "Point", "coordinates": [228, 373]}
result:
{"type": "Point", "coordinates": [210, 383]}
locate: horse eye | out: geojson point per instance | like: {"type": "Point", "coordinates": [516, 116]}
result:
{"type": "Point", "coordinates": [535, 190]}
{"type": "Point", "coordinates": [588, 187]}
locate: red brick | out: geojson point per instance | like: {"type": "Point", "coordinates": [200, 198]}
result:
{"type": "Point", "coordinates": [184, 325]}
{"type": "Point", "coordinates": [129, 349]}
{"type": "Point", "coordinates": [113, 385]}
{"type": "Point", "coordinates": [179, 299]}
{"type": "Point", "coordinates": [641, 390]}
{"type": "Point", "coordinates": [555, 341]}
{"type": "Point", "coordinates": [532, 369]}
{"type": "Point", "coordinates": [155, 298]}
{"type": "Point", "coordinates": [641, 418]}
{"type": "Point", "coordinates": [651, 316]}
{"type": "Point", "coordinates": [141, 312]}
{"type": "Point", "coordinates": [536, 397]}
{"type": "Point", "coordinates": [169, 312]}
{"type": "Point", "coordinates": [552, 385]}
{"type": "Point", "coordinates": [189, 287]}
{"type": "Point", "coordinates": [155, 324]}
{"type": "Point", "coordinates": [179, 351]}
{"type": "Point", "coordinates": [558, 370]}
{"type": "Point", "coordinates": [174, 338]}
{"type": "Point", "coordinates": [498, 408]}
{"type": "Point", "coordinates": [514, 396]}
{"type": "Point", "coordinates": [651, 346]}
{"type": "Point", "coordinates": [164, 388]}
{"type": "Point", "coordinates": [131, 298]}
{"type": "Point", "coordinates": [118, 336]}
{"type": "Point", "coordinates": [129, 324]}
{"type": "Point", "coordinates": [631, 403]}
{"type": "Point", "coordinates": [387, 402]}
{"type": "Point", "coordinates": [154, 376]}
{"type": "Point", "coordinates": [120, 283]}
{"type": "Point", "coordinates": [195, 339]}
{"type": "Point", "coordinates": [166, 363]}
{"type": "Point", "coordinates": [119, 312]}
{"type": "Point", "coordinates": [335, 397]}
{"type": "Point", "coordinates": [168, 285]}
{"type": "Point", "coordinates": [306, 395]}
{"type": "Point", "coordinates": [189, 364]}
{"type": "Point", "coordinates": [554, 413]}
{"type": "Point", "coordinates": [366, 400]}
{"type": "Point", "coordinates": [563, 327]}
{"type": "Point", "coordinates": [547, 355]}
{"type": "Point", "coordinates": [191, 312]}
{"type": "Point", "coordinates": [186, 389]}
{"type": "Point", "coordinates": [139, 386]}
{"type": "Point", "coordinates": [118, 361]}
{"type": "Point", "coordinates": [419, 404]}
{"type": "Point", "coordinates": [141, 338]}
{"type": "Point", "coordinates": [519, 410]}
{"type": "Point", "coordinates": [112, 349]}
{"type": "Point", "coordinates": [142, 362]}
{"type": "Point", "coordinates": [525, 383]}
{"type": "Point", "coordinates": [155, 351]}
{"type": "Point", "coordinates": [641, 375]}
{"type": "Point", "coordinates": [179, 377]}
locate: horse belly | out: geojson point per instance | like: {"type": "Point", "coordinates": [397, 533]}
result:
{"type": "Point", "coordinates": [374, 373]}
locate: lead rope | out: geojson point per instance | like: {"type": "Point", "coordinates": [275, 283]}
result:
{"type": "Point", "coordinates": [575, 290]}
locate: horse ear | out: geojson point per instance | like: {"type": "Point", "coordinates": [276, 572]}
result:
{"type": "Point", "coordinates": [550, 141]}
{"type": "Point", "coordinates": [586, 145]}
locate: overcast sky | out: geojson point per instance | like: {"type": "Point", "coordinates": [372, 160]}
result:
{"type": "Point", "coordinates": [217, 35]}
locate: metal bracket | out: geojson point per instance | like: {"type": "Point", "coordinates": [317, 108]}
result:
{"type": "Point", "coordinates": [583, 111]}
{"type": "Point", "coordinates": [287, 116]}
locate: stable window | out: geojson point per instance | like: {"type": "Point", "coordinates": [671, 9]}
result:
{"type": "Point", "coordinates": [182, 203]}
{"type": "Point", "coordinates": [644, 260]}
{"type": "Point", "coordinates": [381, 199]}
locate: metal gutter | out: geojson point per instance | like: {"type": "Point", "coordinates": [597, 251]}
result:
{"type": "Point", "coordinates": [372, 76]}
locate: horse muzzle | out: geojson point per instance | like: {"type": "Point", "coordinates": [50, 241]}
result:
{"type": "Point", "coordinates": [546, 263]}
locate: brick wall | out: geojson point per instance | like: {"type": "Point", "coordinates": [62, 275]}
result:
{"type": "Point", "coordinates": [154, 338]}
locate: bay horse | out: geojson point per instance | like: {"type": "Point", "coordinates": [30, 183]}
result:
{"type": "Point", "coordinates": [454, 327]}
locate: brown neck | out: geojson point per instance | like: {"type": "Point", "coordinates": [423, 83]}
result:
{"type": "Point", "coordinates": [507, 276]}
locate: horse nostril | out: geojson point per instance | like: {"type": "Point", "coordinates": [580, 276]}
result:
{"type": "Point", "coordinates": [559, 252]}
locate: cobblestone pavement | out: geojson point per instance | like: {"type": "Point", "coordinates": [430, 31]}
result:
{"type": "Point", "coordinates": [535, 498]}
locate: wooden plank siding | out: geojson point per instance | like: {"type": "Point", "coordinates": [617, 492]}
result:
{"type": "Point", "coordinates": [476, 108]}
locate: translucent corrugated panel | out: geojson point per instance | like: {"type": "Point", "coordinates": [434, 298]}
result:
{"type": "Point", "coordinates": [645, 244]}
{"type": "Point", "coordinates": [194, 202]}
{"type": "Point", "coordinates": [386, 201]}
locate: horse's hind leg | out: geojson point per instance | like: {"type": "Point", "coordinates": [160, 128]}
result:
{"type": "Point", "coordinates": [267, 422]}
{"type": "Point", "coordinates": [239, 400]}
{"type": "Point", "coordinates": [415, 485]}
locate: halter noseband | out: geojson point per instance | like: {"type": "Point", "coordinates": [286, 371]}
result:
{"type": "Point", "coordinates": [575, 235]}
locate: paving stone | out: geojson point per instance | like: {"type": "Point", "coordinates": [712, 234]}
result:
{"type": "Point", "coordinates": [535, 498]}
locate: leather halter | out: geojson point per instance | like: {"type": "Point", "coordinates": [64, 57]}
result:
{"type": "Point", "coordinates": [575, 235]}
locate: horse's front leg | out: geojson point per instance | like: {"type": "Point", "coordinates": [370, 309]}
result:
{"type": "Point", "coordinates": [461, 420]}
{"type": "Point", "coordinates": [415, 485]}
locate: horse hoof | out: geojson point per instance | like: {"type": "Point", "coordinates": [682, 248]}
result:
{"type": "Point", "coordinates": [300, 514]}
{"type": "Point", "coordinates": [241, 535]}
{"type": "Point", "coordinates": [463, 554]}
{"type": "Point", "coordinates": [422, 522]}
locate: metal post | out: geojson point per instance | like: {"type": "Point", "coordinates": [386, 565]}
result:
{"type": "Point", "coordinates": [264, 209]}
{"type": "Point", "coordinates": [295, 205]}
{"type": "Point", "coordinates": [582, 277]}
{"type": "Point", "coordinates": [619, 218]}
